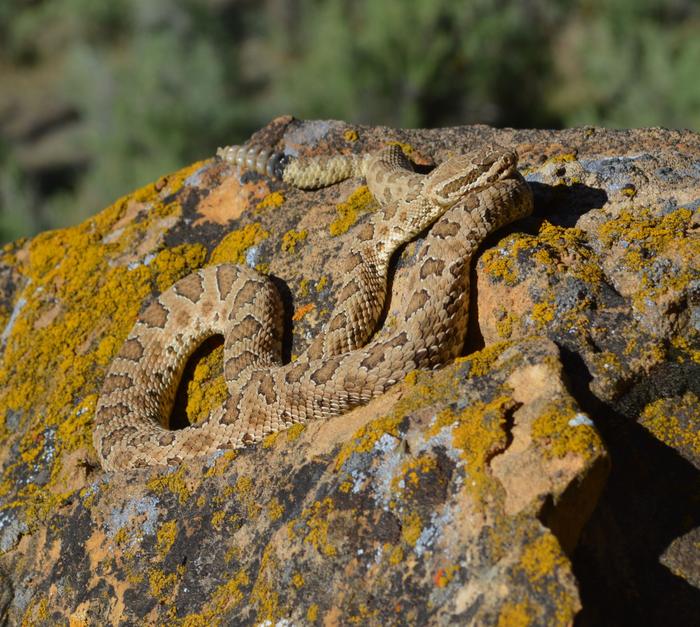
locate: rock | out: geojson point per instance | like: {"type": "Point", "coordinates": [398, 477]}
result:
{"type": "Point", "coordinates": [461, 495]}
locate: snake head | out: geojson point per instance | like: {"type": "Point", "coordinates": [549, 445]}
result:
{"type": "Point", "coordinates": [470, 172]}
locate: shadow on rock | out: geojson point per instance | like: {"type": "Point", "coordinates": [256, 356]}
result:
{"type": "Point", "coordinates": [563, 205]}
{"type": "Point", "coordinates": [649, 501]}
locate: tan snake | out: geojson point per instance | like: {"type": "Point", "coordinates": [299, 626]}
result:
{"type": "Point", "coordinates": [465, 199]}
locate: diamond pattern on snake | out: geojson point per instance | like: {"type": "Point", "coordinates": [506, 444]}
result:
{"type": "Point", "coordinates": [463, 200]}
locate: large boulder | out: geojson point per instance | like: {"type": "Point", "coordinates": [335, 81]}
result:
{"type": "Point", "coordinates": [481, 493]}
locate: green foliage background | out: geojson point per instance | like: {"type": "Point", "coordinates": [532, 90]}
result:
{"type": "Point", "coordinates": [97, 98]}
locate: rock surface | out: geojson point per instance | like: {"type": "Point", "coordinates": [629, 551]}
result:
{"type": "Point", "coordinates": [474, 494]}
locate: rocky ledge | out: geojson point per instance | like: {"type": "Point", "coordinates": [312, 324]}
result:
{"type": "Point", "coordinates": [549, 476]}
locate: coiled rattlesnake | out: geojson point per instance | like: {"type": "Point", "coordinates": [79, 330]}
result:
{"type": "Point", "coordinates": [465, 199]}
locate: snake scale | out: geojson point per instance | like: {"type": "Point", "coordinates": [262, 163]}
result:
{"type": "Point", "coordinates": [465, 198]}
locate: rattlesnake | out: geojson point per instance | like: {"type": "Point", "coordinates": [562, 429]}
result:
{"type": "Point", "coordinates": [465, 199]}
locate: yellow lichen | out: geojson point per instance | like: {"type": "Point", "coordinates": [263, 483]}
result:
{"type": "Point", "coordinates": [364, 616]}
{"type": "Point", "coordinates": [364, 439]}
{"type": "Point", "coordinates": [275, 509]}
{"type": "Point", "coordinates": [173, 482]}
{"type": "Point", "coordinates": [504, 326]}
{"type": "Point", "coordinates": [322, 283]}
{"type": "Point", "coordinates": [79, 302]}
{"type": "Point", "coordinates": [542, 558]}
{"type": "Point", "coordinates": [662, 418]}
{"type": "Point", "coordinates": [541, 561]}
{"type": "Point", "coordinates": [221, 465]}
{"type": "Point", "coordinates": [271, 201]}
{"type": "Point", "coordinates": [121, 537]}
{"type": "Point", "coordinates": [317, 522]}
{"type": "Point", "coordinates": [477, 432]}
{"type": "Point", "coordinates": [217, 520]}
{"type": "Point", "coordinates": [411, 528]}
{"type": "Point", "coordinates": [685, 345]}
{"type": "Point", "coordinates": [515, 615]}
{"type": "Point", "coordinates": [396, 555]}
{"type": "Point", "coordinates": [166, 536]}
{"type": "Point", "coordinates": [206, 390]}
{"type": "Point", "coordinates": [246, 492]}
{"type": "Point", "coordinates": [312, 613]}
{"type": "Point", "coordinates": [303, 288]}
{"type": "Point", "coordinates": [291, 433]}
{"type": "Point", "coordinates": [264, 593]}
{"type": "Point", "coordinates": [174, 263]}
{"type": "Point", "coordinates": [292, 238]}
{"type": "Point", "coordinates": [162, 585]}
{"type": "Point", "coordinates": [360, 201]}
{"type": "Point", "coordinates": [297, 580]}
{"type": "Point", "coordinates": [501, 262]}
{"type": "Point", "coordinates": [481, 362]}
{"type": "Point", "coordinates": [654, 233]}
{"type": "Point", "coordinates": [412, 472]}
{"type": "Point", "coordinates": [563, 430]}
{"type": "Point", "coordinates": [565, 157]}
{"type": "Point", "coordinates": [233, 247]}
{"type": "Point", "coordinates": [542, 314]}
{"type": "Point", "coordinates": [223, 599]}
{"type": "Point", "coordinates": [643, 241]}
{"type": "Point", "coordinates": [406, 148]}
{"type": "Point", "coordinates": [350, 135]}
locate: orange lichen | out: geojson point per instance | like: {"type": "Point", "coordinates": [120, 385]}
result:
{"type": "Point", "coordinates": [302, 311]}
{"type": "Point", "coordinates": [443, 576]}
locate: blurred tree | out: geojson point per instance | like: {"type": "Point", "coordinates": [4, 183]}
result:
{"type": "Point", "coordinates": [629, 63]}
{"type": "Point", "coordinates": [410, 63]}
{"type": "Point", "coordinates": [97, 98]}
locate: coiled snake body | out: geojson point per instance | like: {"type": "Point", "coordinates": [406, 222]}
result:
{"type": "Point", "coordinates": [465, 199]}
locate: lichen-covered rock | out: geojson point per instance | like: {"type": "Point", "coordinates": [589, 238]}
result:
{"type": "Point", "coordinates": [461, 495]}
